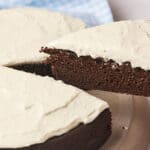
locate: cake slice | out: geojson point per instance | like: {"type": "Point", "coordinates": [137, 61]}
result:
{"type": "Point", "coordinates": [40, 113]}
{"type": "Point", "coordinates": [24, 30]}
{"type": "Point", "coordinates": [113, 57]}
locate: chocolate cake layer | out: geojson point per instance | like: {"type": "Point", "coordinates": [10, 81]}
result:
{"type": "Point", "coordinates": [84, 137]}
{"type": "Point", "coordinates": [88, 73]}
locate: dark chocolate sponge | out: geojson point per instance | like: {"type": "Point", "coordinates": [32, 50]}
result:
{"type": "Point", "coordinates": [88, 73]}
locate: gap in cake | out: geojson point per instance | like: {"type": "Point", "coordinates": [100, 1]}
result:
{"type": "Point", "coordinates": [41, 69]}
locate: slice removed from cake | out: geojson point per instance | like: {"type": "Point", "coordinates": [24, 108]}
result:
{"type": "Point", "coordinates": [113, 57]}
{"type": "Point", "coordinates": [40, 113]}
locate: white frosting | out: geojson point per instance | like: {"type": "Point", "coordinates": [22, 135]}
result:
{"type": "Point", "coordinates": [34, 108]}
{"type": "Point", "coordinates": [120, 41]}
{"type": "Point", "coordinates": [24, 30]}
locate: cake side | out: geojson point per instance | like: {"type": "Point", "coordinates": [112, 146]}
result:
{"type": "Point", "coordinates": [32, 111]}
{"type": "Point", "coordinates": [88, 73]}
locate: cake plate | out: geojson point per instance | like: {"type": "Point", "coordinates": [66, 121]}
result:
{"type": "Point", "coordinates": [130, 119]}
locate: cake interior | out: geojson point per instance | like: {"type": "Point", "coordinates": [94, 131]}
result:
{"type": "Point", "coordinates": [100, 74]}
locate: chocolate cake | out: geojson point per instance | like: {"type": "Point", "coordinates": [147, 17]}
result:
{"type": "Point", "coordinates": [36, 112]}
{"type": "Point", "coordinates": [113, 57]}
{"type": "Point", "coordinates": [40, 113]}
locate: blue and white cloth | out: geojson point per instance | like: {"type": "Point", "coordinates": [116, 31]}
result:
{"type": "Point", "coordinates": [93, 12]}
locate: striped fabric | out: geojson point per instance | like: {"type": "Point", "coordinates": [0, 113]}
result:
{"type": "Point", "coordinates": [93, 12]}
